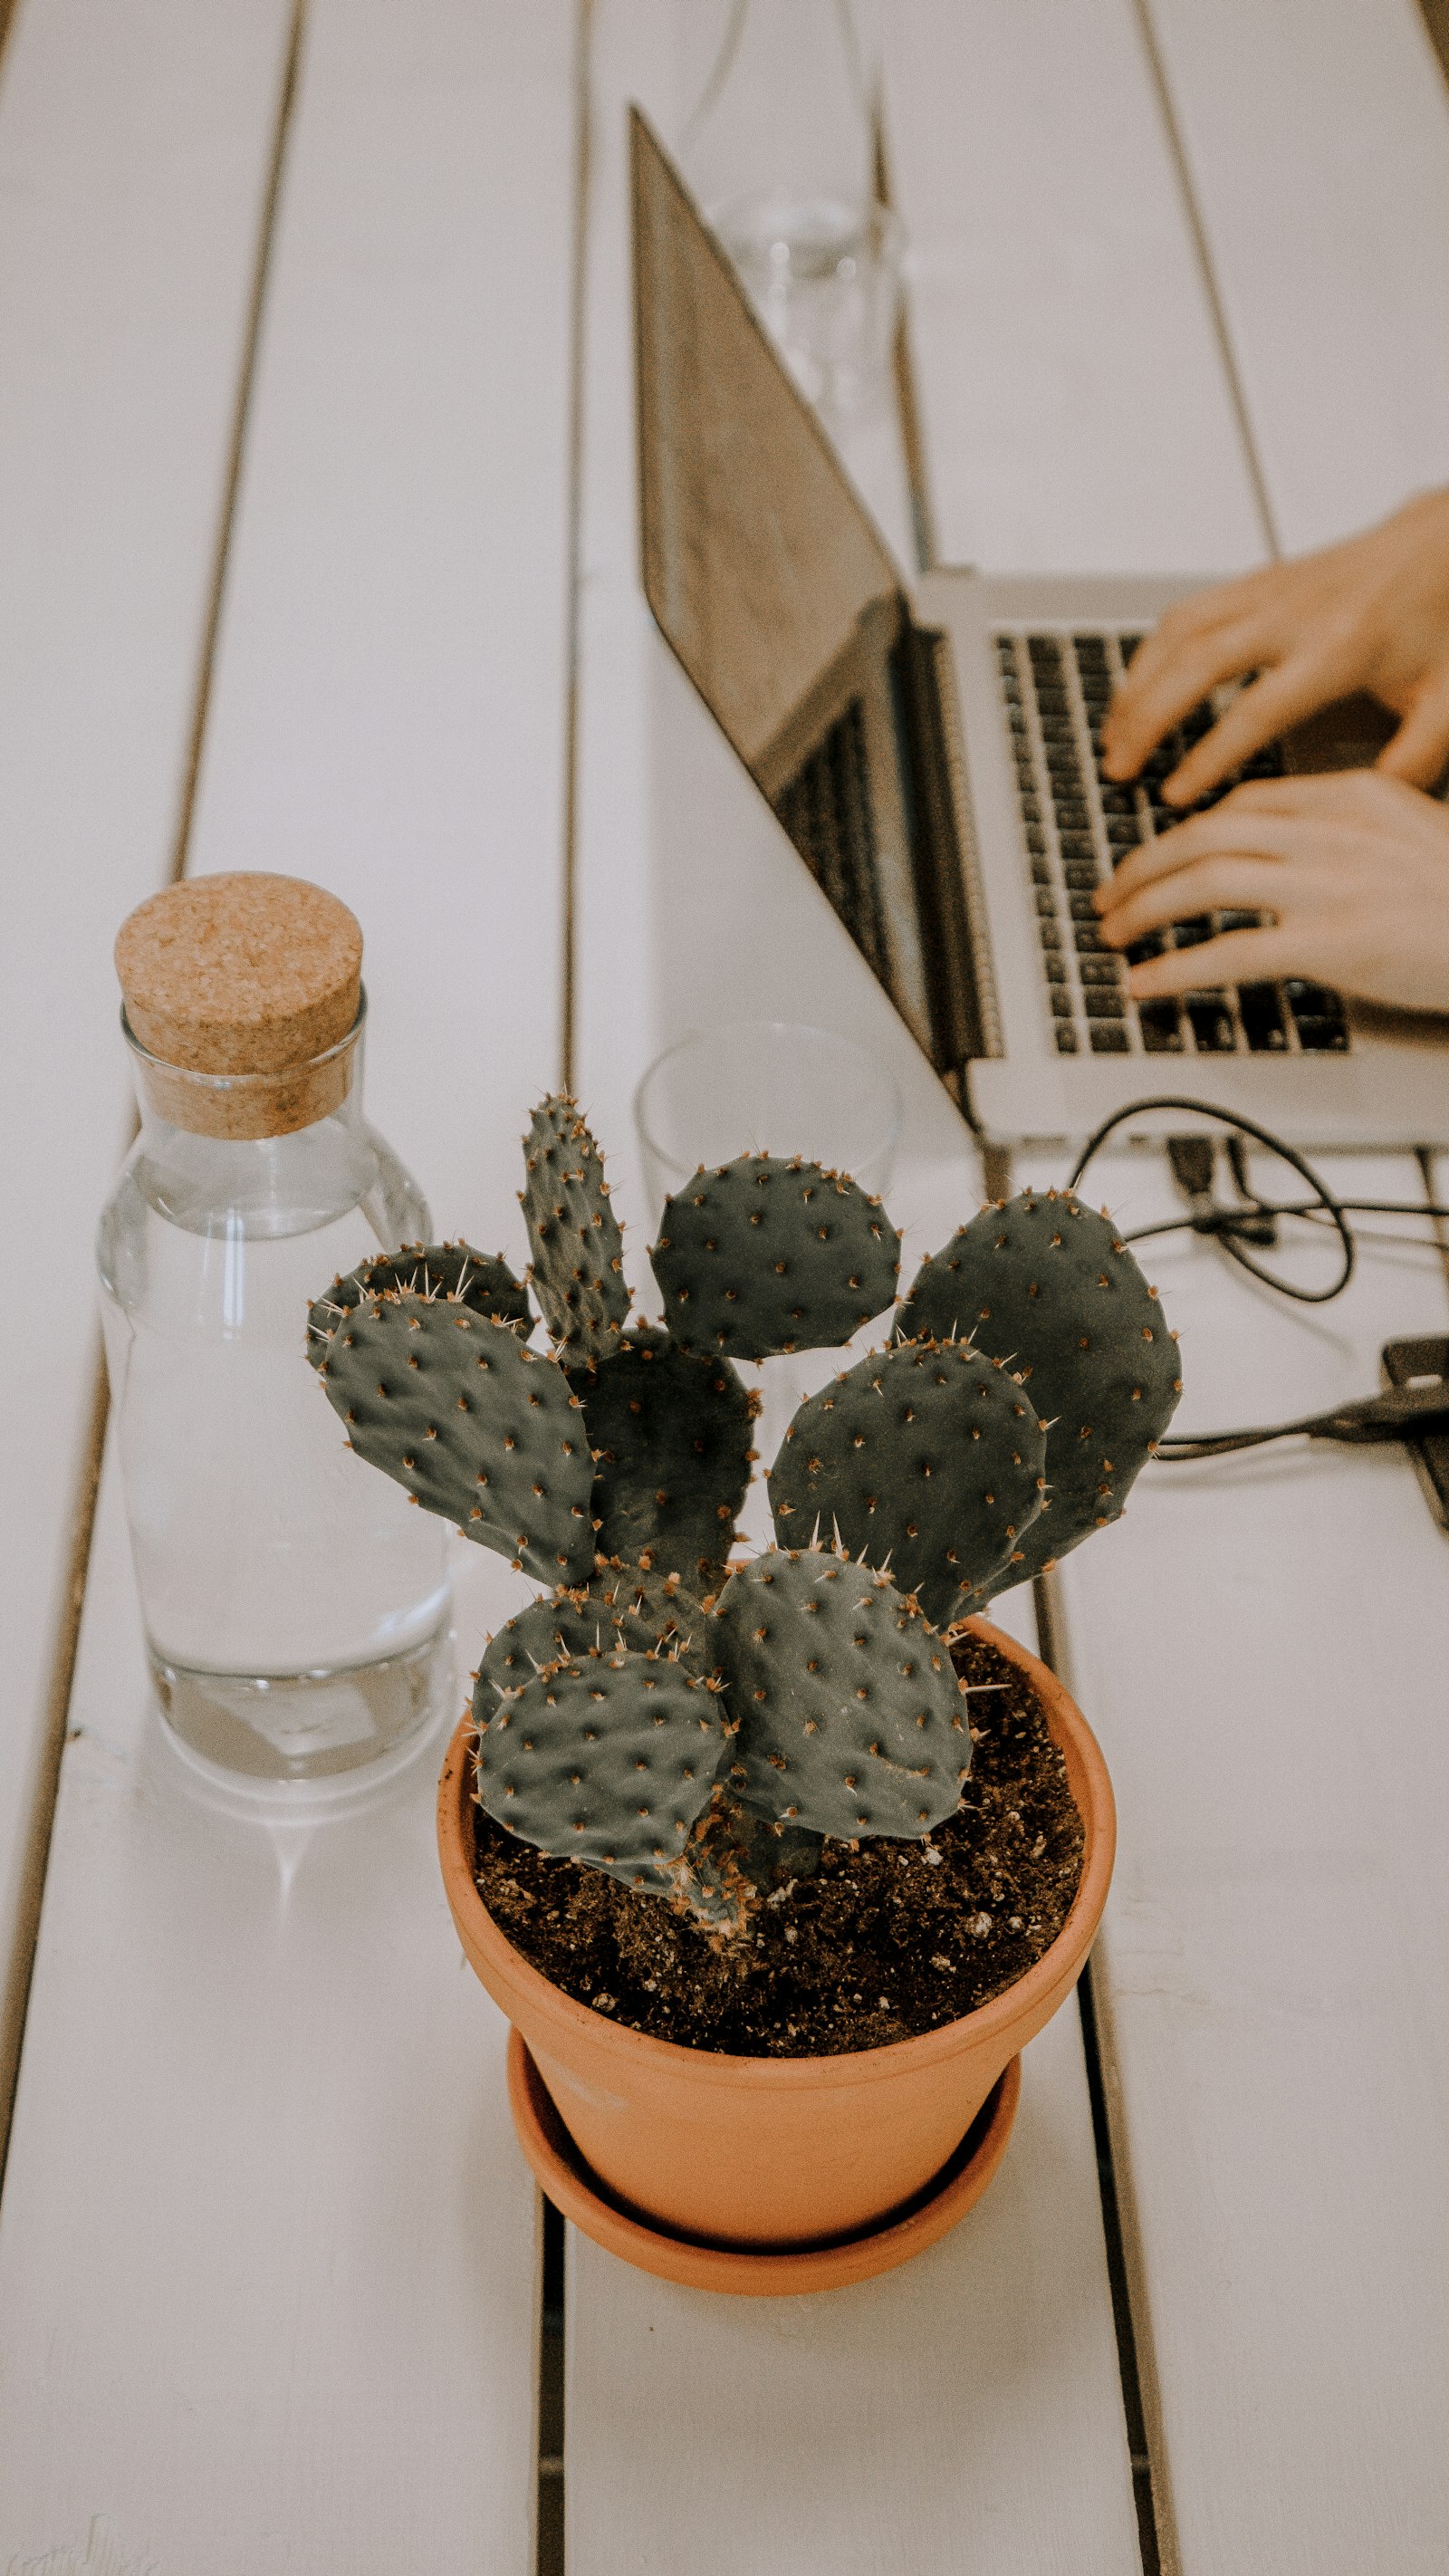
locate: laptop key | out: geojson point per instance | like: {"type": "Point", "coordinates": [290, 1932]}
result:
{"type": "Point", "coordinates": [1322, 1037]}
{"type": "Point", "coordinates": [1212, 1023]}
{"type": "Point", "coordinates": [1084, 937]}
{"type": "Point", "coordinates": [1260, 1008]}
{"type": "Point", "coordinates": [1100, 970]}
{"type": "Point", "coordinates": [1161, 1027]}
{"type": "Point", "coordinates": [1100, 1004]}
{"type": "Point", "coordinates": [1108, 1038]}
{"type": "Point", "coordinates": [1081, 875]}
{"type": "Point", "coordinates": [1061, 1001]}
{"type": "Point", "coordinates": [1066, 1037]}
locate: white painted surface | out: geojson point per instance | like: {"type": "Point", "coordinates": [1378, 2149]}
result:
{"type": "Point", "coordinates": [1261, 1645]}
{"type": "Point", "coordinates": [388, 710]}
{"type": "Point", "coordinates": [936, 2420]}
{"type": "Point", "coordinates": [1074, 408]}
{"type": "Point", "coordinates": [135, 143]}
{"type": "Point", "coordinates": [267, 2255]}
{"type": "Point", "coordinates": [268, 2271]}
{"type": "Point", "coordinates": [1318, 140]}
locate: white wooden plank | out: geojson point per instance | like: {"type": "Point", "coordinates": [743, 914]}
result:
{"type": "Point", "coordinates": [693, 909]}
{"type": "Point", "coordinates": [1074, 407]}
{"type": "Point", "coordinates": [1261, 1644]}
{"type": "Point", "coordinates": [135, 144]}
{"type": "Point", "coordinates": [267, 2261]}
{"type": "Point", "coordinates": [389, 702]}
{"type": "Point", "coordinates": [1318, 141]}
{"type": "Point", "coordinates": [928, 2421]}
{"type": "Point", "coordinates": [263, 2186]}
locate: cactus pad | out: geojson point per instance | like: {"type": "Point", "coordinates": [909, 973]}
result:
{"type": "Point", "coordinates": [605, 1618]}
{"type": "Point", "coordinates": [765, 1256]}
{"type": "Point", "coordinates": [851, 1718]}
{"type": "Point", "coordinates": [609, 1763]}
{"type": "Point", "coordinates": [924, 1459]}
{"type": "Point", "coordinates": [577, 1271]}
{"type": "Point", "coordinates": [476, 1426]}
{"type": "Point", "coordinates": [670, 1435]}
{"type": "Point", "coordinates": [479, 1280]}
{"type": "Point", "coordinates": [1048, 1285]}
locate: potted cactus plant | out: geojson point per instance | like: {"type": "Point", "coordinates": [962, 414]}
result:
{"type": "Point", "coordinates": [697, 1757]}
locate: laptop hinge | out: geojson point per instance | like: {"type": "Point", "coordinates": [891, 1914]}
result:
{"type": "Point", "coordinates": [949, 897]}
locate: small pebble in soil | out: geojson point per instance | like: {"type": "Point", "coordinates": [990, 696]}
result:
{"type": "Point", "coordinates": [1000, 1878]}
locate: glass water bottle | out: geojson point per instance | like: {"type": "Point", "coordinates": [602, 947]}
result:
{"type": "Point", "coordinates": [296, 1608]}
{"type": "Point", "coordinates": [780, 153]}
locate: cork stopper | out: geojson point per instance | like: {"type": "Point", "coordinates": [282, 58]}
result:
{"type": "Point", "coordinates": [242, 983]}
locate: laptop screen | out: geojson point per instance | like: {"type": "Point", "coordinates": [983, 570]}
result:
{"type": "Point", "coordinates": [771, 584]}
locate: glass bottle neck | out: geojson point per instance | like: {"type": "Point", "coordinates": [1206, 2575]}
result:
{"type": "Point", "coordinates": [207, 1163]}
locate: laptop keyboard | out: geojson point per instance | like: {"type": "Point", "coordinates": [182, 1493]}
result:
{"type": "Point", "coordinates": [1079, 825]}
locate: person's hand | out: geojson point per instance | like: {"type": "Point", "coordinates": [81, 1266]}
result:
{"type": "Point", "coordinates": [1352, 869]}
{"type": "Point", "coordinates": [1372, 614]}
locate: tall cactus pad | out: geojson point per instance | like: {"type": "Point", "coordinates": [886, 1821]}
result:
{"type": "Point", "coordinates": [924, 1459]}
{"type": "Point", "coordinates": [577, 1270]}
{"type": "Point", "coordinates": [670, 1435]}
{"type": "Point", "coordinates": [1048, 1285]}
{"type": "Point", "coordinates": [473, 1424]}
{"type": "Point", "coordinates": [609, 1763]}
{"type": "Point", "coordinates": [765, 1256]}
{"type": "Point", "coordinates": [851, 1719]}
{"type": "Point", "coordinates": [479, 1280]}
{"type": "Point", "coordinates": [589, 1626]}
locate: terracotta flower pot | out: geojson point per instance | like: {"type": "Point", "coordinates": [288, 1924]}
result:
{"type": "Point", "coordinates": [772, 2155]}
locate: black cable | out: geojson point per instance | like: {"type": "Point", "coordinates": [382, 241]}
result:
{"type": "Point", "coordinates": [1401, 1413]}
{"type": "Point", "coordinates": [1322, 1195]}
{"type": "Point", "coordinates": [1220, 1221]}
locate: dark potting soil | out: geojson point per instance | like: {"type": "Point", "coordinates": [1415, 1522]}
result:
{"type": "Point", "coordinates": [883, 1942]}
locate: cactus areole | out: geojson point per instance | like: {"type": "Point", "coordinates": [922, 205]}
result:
{"type": "Point", "coordinates": [666, 1712]}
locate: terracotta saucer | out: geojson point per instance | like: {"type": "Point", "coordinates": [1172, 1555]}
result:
{"type": "Point", "coordinates": [752, 2274]}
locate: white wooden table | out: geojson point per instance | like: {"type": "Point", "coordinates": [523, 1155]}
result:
{"type": "Point", "coordinates": [310, 563]}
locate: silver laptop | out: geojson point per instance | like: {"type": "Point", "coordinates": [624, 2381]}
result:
{"type": "Point", "coordinates": [932, 748]}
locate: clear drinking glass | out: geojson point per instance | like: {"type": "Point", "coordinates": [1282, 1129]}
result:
{"type": "Point", "coordinates": [780, 152]}
{"type": "Point", "coordinates": [296, 1609]}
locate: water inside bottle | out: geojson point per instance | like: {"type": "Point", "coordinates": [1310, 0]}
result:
{"type": "Point", "coordinates": [296, 1604]}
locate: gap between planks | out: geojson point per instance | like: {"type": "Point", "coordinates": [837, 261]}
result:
{"type": "Point", "coordinates": [583, 30]}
